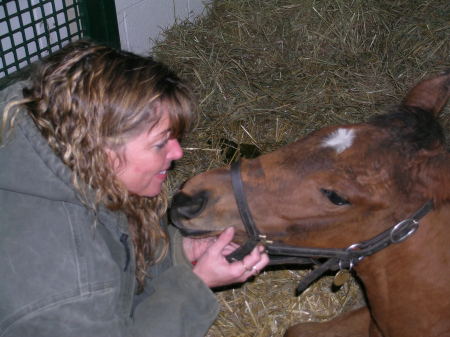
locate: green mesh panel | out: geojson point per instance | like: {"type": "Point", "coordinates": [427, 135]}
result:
{"type": "Point", "coordinates": [31, 29]}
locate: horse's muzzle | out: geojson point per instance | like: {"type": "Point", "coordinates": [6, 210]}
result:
{"type": "Point", "coordinates": [188, 207]}
{"type": "Point", "coordinates": [184, 208]}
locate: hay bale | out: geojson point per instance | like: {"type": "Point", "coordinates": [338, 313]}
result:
{"type": "Point", "coordinates": [267, 72]}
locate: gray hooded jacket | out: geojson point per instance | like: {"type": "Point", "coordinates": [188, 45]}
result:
{"type": "Point", "coordinates": [61, 276]}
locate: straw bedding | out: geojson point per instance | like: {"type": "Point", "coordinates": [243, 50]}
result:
{"type": "Point", "coordinates": [268, 72]}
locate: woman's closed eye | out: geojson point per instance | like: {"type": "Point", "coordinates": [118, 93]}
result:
{"type": "Point", "coordinates": [161, 144]}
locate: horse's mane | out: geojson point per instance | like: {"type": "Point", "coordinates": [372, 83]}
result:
{"type": "Point", "coordinates": [411, 126]}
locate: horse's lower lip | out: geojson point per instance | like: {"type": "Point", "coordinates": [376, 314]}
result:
{"type": "Point", "coordinates": [175, 219]}
{"type": "Point", "coordinates": [195, 232]}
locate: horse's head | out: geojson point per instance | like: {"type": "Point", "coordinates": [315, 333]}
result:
{"type": "Point", "coordinates": [338, 185]}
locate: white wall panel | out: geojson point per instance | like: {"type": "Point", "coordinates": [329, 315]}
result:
{"type": "Point", "coordinates": [141, 21]}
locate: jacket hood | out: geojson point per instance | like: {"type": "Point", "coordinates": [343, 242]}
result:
{"type": "Point", "coordinates": [27, 163]}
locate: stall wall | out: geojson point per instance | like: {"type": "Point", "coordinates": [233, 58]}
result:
{"type": "Point", "coordinates": [141, 21]}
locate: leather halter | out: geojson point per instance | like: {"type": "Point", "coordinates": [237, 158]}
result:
{"type": "Point", "coordinates": [335, 258]}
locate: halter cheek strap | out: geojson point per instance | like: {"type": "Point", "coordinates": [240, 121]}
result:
{"type": "Point", "coordinates": [253, 233]}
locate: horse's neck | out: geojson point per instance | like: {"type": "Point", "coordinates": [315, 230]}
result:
{"type": "Point", "coordinates": [407, 283]}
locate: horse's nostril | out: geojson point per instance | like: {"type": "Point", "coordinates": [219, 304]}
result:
{"type": "Point", "coordinates": [189, 206]}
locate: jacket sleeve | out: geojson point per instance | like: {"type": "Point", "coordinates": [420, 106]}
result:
{"type": "Point", "coordinates": [176, 302]}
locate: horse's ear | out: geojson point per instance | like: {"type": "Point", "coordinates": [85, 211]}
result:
{"type": "Point", "coordinates": [430, 94]}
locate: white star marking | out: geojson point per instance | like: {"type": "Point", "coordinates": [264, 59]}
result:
{"type": "Point", "coordinates": [340, 140]}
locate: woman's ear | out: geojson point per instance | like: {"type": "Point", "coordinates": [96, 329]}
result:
{"type": "Point", "coordinates": [113, 158]}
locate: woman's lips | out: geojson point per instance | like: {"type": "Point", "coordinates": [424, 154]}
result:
{"type": "Point", "coordinates": [162, 175]}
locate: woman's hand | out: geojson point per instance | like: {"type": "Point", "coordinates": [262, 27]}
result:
{"type": "Point", "coordinates": [211, 265]}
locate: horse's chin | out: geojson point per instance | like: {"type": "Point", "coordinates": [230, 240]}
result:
{"type": "Point", "coordinates": [197, 233]}
{"type": "Point", "coordinates": [239, 238]}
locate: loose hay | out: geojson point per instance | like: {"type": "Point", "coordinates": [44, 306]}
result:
{"type": "Point", "coordinates": [266, 306]}
{"type": "Point", "coordinates": [268, 72]}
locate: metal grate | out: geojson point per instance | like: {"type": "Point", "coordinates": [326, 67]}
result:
{"type": "Point", "coordinates": [32, 29]}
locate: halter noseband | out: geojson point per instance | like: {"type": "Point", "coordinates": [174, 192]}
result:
{"type": "Point", "coordinates": [336, 258]}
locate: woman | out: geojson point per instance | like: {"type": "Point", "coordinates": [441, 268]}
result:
{"type": "Point", "coordinates": [86, 147]}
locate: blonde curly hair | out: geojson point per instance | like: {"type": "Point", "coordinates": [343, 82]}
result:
{"type": "Point", "coordinates": [88, 97]}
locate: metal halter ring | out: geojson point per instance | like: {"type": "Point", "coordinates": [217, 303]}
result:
{"type": "Point", "coordinates": [410, 224]}
{"type": "Point", "coordinates": [351, 261]}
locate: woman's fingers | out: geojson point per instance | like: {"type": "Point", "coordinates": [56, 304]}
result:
{"type": "Point", "coordinates": [194, 248]}
{"type": "Point", "coordinates": [251, 264]}
{"type": "Point", "coordinates": [223, 240]}
{"type": "Point", "coordinates": [256, 260]}
{"type": "Point", "coordinates": [213, 268]}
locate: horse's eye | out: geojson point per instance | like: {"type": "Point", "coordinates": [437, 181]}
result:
{"type": "Point", "coordinates": [334, 197]}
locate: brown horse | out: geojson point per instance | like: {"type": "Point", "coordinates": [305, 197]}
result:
{"type": "Point", "coordinates": [347, 184]}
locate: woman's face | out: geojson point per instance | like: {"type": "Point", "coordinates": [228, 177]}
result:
{"type": "Point", "coordinates": [147, 159]}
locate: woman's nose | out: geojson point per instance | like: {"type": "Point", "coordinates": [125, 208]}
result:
{"type": "Point", "coordinates": [175, 150]}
